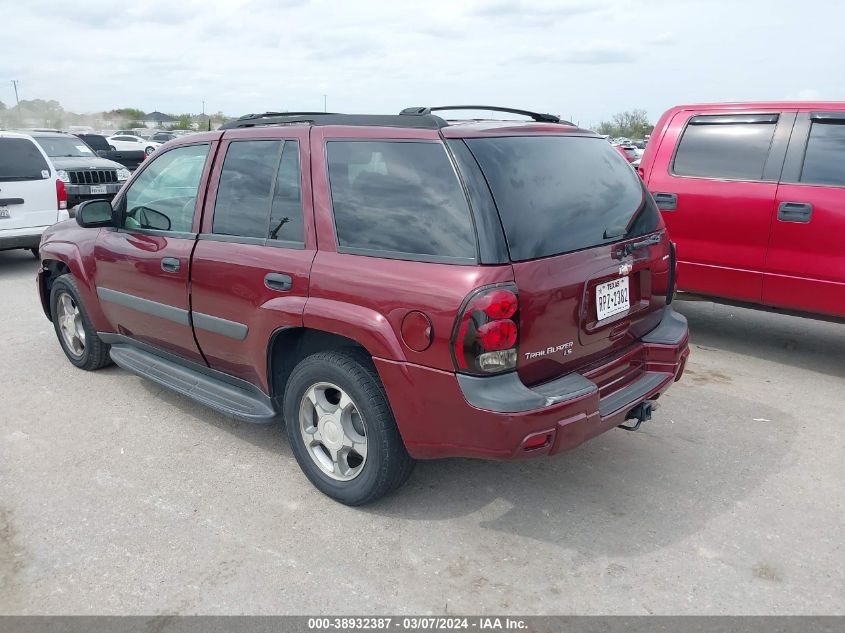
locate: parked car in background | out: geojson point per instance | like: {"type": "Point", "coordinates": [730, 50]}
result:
{"type": "Point", "coordinates": [163, 137]}
{"type": "Point", "coordinates": [128, 142]}
{"type": "Point", "coordinates": [85, 175]}
{"type": "Point", "coordinates": [128, 158]}
{"type": "Point", "coordinates": [32, 196]}
{"type": "Point", "coordinates": [628, 151]}
{"type": "Point", "coordinates": [753, 194]}
{"type": "Point", "coordinates": [264, 270]}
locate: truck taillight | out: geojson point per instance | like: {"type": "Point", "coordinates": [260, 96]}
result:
{"type": "Point", "coordinates": [486, 333]}
{"type": "Point", "coordinates": [61, 195]}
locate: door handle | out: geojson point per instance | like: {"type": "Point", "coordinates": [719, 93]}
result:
{"type": "Point", "coordinates": [170, 265]}
{"type": "Point", "coordinates": [666, 201]}
{"type": "Point", "coordinates": [800, 212]}
{"type": "Point", "coordinates": [278, 281]}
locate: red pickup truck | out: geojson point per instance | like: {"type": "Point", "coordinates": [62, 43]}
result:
{"type": "Point", "coordinates": [753, 195]}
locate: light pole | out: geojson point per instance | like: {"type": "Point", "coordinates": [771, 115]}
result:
{"type": "Point", "coordinates": [17, 101]}
{"type": "Point", "coordinates": [325, 107]}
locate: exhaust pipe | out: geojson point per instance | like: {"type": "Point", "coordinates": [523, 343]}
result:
{"type": "Point", "coordinates": [640, 413]}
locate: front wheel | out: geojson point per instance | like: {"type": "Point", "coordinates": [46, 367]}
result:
{"type": "Point", "coordinates": [341, 428]}
{"type": "Point", "coordinates": [149, 150]}
{"type": "Point", "coordinates": [76, 334]}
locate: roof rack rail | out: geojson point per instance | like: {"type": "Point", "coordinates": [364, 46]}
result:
{"type": "Point", "coordinates": [536, 116]}
{"type": "Point", "coordinates": [262, 115]}
{"type": "Point", "coordinates": [430, 122]}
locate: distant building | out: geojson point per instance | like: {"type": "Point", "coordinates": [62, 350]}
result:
{"type": "Point", "coordinates": [157, 119]}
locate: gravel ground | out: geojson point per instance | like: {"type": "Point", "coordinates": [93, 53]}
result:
{"type": "Point", "coordinates": [119, 497]}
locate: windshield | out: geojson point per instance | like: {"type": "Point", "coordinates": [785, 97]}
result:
{"type": "Point", "coordinates": [558, 194]}
{"type": "Point", "coordinates": [56, 146]}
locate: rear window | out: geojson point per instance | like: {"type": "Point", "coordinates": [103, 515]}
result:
{"type": "Point", "coordinates": [95, 142]}
{"type": "Point", "coordinates": [735, 151]}
{"type": "Point", "coordinates": [399, 199]}
{"type": "Point", "coordinates": [558, 194]}
{"type": "Point", "coordinates": [21, 160]}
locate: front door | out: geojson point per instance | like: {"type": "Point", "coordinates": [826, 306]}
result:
{"type": "Point", "coordinates": [805, 267]}
{"type": "Point", "coordinates": [716, 190]}
{"type": "Point", "coordinates": [142, 267]}
{"type": "Point", "coordinates": [250, 271]}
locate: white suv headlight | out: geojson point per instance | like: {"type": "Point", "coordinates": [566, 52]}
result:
{"type": "Point", "coordinates": [62, 174]}
{"type": "Point", "coordinates": [123, 174]}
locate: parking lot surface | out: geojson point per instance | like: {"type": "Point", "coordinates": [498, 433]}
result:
{"type": "Point", "coordinates": [117, 496]}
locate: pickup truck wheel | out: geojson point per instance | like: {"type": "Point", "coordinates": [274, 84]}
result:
{"type": "Point", "coordinates": [342, 430]}
{"type": "Point", "coordinates": [77, 336]}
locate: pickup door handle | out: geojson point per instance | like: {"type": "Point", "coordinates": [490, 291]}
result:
{"type": "Point", "coordinates": [278, 281]}
{"type": "Point", "coordinates": [170, 265]}
{"type": "Point", "coordinates": [666, 201]}
{"type": "Point", "coordinates": [795, 212]}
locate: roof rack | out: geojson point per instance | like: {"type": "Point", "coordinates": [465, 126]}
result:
{"type": "Point", "coordinates": [536, 116]}
{"type": "Point", "coordinates": [332, 118]}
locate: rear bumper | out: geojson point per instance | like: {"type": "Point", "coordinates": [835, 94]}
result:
{"type": "Point", "coordinates": [27, 237]}
{"type": "Point", "coordinates": [441, 414]}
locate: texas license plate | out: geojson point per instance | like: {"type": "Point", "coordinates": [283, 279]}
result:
{"type": "Point", "coordinates": [99, 189]}
{"type": "Point", "coordinates": [612, 298]}
{"type": "Point", "coordinates": [5, 213]}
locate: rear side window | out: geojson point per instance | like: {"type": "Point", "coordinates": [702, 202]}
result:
{"type": "Point", "coordinates": [711, 148]}
{"type": "Point", "coordinates": [21, 160]}
{"type": "Point", "coordinates": [399, 198]}
{"type": "Point", "coordinates": [259, 194]}
{"type": "Point", "coordinates": [558, 194]}
{"type": "Point", "coordinates": [824, 162]}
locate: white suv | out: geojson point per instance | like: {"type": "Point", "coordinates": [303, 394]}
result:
{"type": "Point", "coordinates": [32, 197]}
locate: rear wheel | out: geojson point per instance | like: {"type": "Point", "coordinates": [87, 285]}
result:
{"type": "Point", "coordinates": [149, 150]}
{"type": "Point", "coordinates": [77, 336]}
{"type": "Point", "coordinates": [341, 428]}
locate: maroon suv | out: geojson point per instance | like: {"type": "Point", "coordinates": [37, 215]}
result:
{"type": "Point", "coordinates": [392, 287]}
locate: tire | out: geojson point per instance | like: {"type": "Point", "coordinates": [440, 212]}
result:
{"type": "Point", "coordinates": [386, 465]}
{"type": "Point", "coordinates": [34, 252]}
{"type": "Point", "coordinates": [93, 354]}
{"type": "Point", "coordinates": [149, 150]}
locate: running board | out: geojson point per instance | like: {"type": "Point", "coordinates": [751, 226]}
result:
{"type": "Point", "coordinates": [212, 391]}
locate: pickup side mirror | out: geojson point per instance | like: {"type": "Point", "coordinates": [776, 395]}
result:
{"type": "Point", "coordinates": [94, 214]}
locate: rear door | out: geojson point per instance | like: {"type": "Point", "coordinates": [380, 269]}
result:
{"type": "Point", "coordinates": [569, 205]}
{"type": "Point", "coordinates": [27, 188]}
{"type": "Point", "coordinates": [250, 269]}
{"type": "Point", "coordinates": [805, 267]}
{"type": "Point", "coordinates": [716, 186]}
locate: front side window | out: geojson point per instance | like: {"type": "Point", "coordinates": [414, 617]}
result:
{"type": "Point", "coordinates": [735, 151]}
{"type": "Point", "coordinates": [399, 197]}
{"type": "Point", "coordinates": [824, 161]}
{"type": "Point", "coordinates": [165, 194]}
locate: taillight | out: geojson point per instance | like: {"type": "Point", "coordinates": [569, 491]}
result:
{"type": "Point", "coordinates": [61, 195]}
{"type": "Point", "coordinates": [486, 333]}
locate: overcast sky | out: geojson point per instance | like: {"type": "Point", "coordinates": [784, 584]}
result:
{"type": "Point", "coordinates": [584, 59]}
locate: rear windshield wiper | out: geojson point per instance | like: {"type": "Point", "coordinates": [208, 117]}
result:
{"type": "Point", "coordinates": [630, 247]}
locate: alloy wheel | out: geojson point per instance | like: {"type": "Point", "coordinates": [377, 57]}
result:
{"type": "Point", "coordinates": [333, 431]}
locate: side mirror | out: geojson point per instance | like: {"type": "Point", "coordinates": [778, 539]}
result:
{"type": "Point", "coordinates": [94, 214]}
